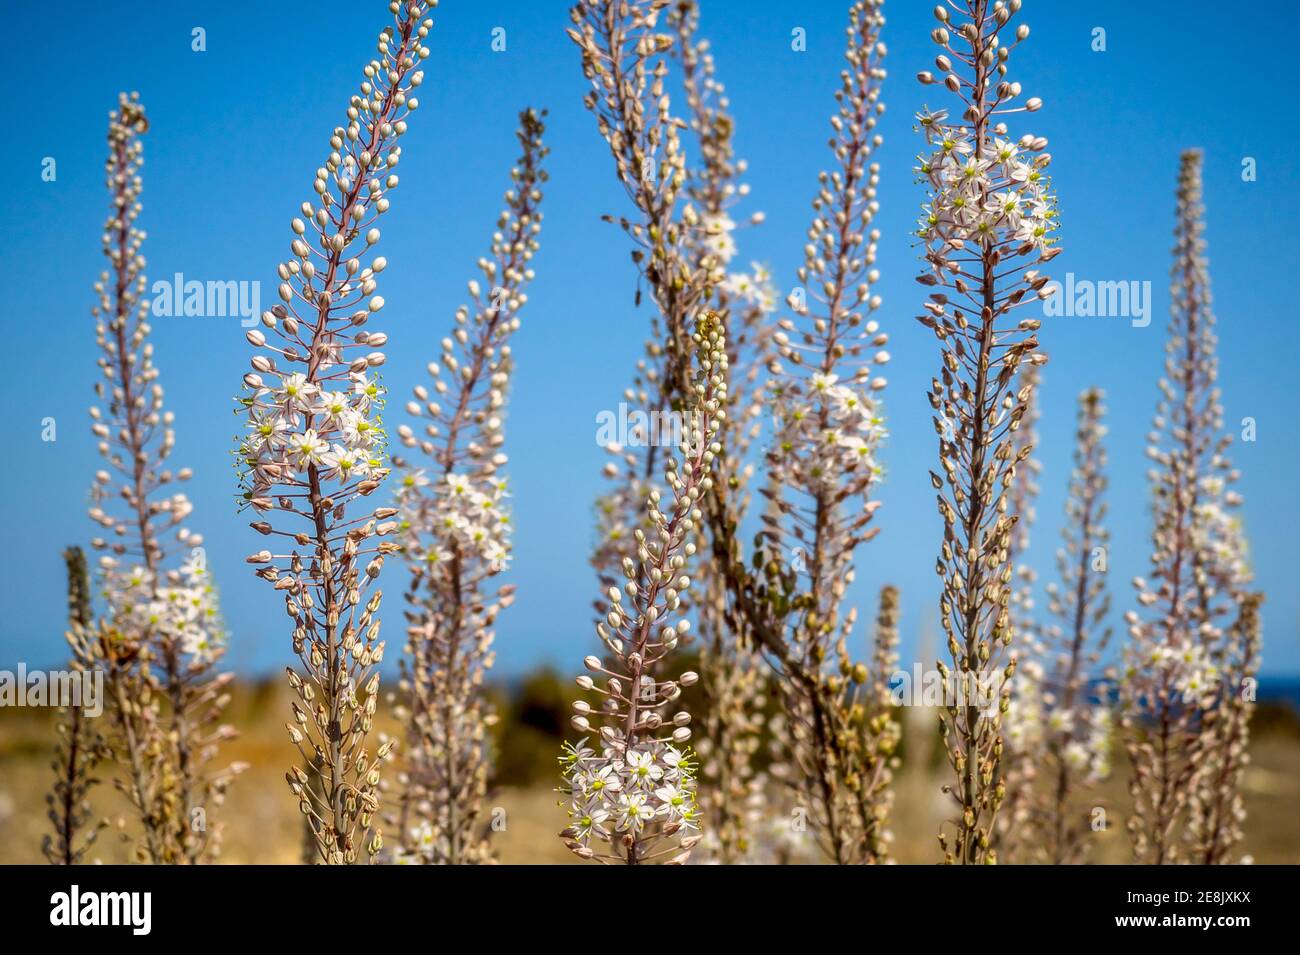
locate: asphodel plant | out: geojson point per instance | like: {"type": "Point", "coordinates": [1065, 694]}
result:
{"type": "Point", "coordinates": [625, 57]}
{"type": "Point", "coordinates": [1186, 692]}
{"type": "Point", "coordinates": [822, 470]}
{"type": "Point", "coordinates": [630, 780]}
{"type": "Point", "coordinates": [452, 495]}
{"type": "Point", "coordinates": [987, 229]}
{"type": "Point", "coordinates": [161, 634]}
{"type": "Point", "coordinates": [81, 747]}
{"type": "Point", "coordinates": [681, 228]}
{"type": "Point", "coordinates": [733, 678]}
{"type": "Point", "coordinates": [314, 451]}
{"type": "Point", "coordinates": [1060, 722]}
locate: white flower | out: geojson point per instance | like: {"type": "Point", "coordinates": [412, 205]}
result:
{"type": "Point", "coordinates": [641, 766]}
{"type": "Point", "coordinates": [367, 392]}
{"type": "Point", "coordinates": [602, 780]}
{"type": "Point", "coordinates": [307, 447]}
{"type": "Point", "coordinates": [821, 383]}
{"type": "Point", "coordinates": [332, 406]}
{"type": "Point", "coordinates": [678, 763]}
{"type": "Point", "coordinates": [1002, 151]}
{"type": "Point", "coordinates": [269, 430]}
{"type": "Point", "coordinates": [1061, 721]}
{"type": "Point", "coordinates": [413, 481]}
{"type": "Point", "coordinates": [673, 802]}
{"type": "Point", "coordinates": [809, 457]}
{"type": "Point", "coordinates": [1077, 757]}
{"type": "Point", "coordinates": [588, 820]}
{"type": "Point", "coordinates": [633, 811]}
{"type": "Point", "coordinates": [358, 430]}
{"type": "Point", "coordinates": [344, 463]}
{"type": "Point", "coordinates": [295, 392]}
{"type": "Point", "coordinates": [718, 238]}
{"type": "Point", "coordinates": [738, 285]}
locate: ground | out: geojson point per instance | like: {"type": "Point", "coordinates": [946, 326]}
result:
{"type": "Point", "coordinates": [261, 824]}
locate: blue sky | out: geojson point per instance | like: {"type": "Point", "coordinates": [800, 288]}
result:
{"type": "Point", "coordinates": [238, 130]}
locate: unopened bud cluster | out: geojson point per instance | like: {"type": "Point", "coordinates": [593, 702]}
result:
{"type": "Point", "coordinates": [636, 793]}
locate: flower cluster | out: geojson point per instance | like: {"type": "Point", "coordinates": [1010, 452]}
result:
{"type": "Point", "coordinates": [315, 445]}
{"type": "Point", "coordinates": [1086, 746]}
{"type": "Point", "coordinates": [753, 288]}
{"type": "Point", "coordinates": [468, 518]}
{"type": "Point", "coordinates": [1023, 718]}
{"type": "Point", "coordinates": [1219, 532]}
{"type": "Point", "coordinates": [824, 433]}
{"type": "Point", "coordinates": [621, 792]}
{"type": "Point", "coordinates": [184, 606]}
{"type": "Point", "coordinates": [718, 239]}
{"type": "Point", "coordinates": [1184, 668]}
{"type": "Point", "coordinates": [1080, 737]}
{"type": "Point", "coordinates": [984, 190]}
{"type": "Point", "coordinates": [297, 427]}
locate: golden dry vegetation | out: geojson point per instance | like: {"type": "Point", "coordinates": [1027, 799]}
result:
{"type": "Point", "coordinates": [261, 824]}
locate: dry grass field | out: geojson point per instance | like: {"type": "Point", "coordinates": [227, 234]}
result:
{"type": "Point", "coordinates": [261, 825]}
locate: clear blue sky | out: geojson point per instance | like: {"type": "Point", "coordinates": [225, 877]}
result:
{"type": "Point", "coordinates": [238, 130]}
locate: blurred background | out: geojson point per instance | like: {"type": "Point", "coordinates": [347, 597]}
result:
{"type": "Point", "coordinates": [260, 821]}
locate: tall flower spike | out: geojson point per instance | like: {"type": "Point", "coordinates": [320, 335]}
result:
{"type": "Point", "coordinates": [636, 795]}
{"type": "Point", "coordinates": [1172, 700]}
{"type": "Point", "coordinates": [866, 697]}
{"type": "Point", "coordinates": [168, 612]}
{"type": "Point", "coordinates": [732, 677]}
{"type": "Point", "coordinates": [626, 61]}
{"type": "Point", "coordinates": [1218, 811]}
{"type": "Point", "coordinates": [822, 467]}
{"type": "Point", "coordinates": [1073, 714]}
{"type": "Point", "coordinates": [681, 250]}
{"type": "Point", "coordinates": [81, 747]}
{"type": "Point", "coordinates": [985, 230]}
{"type": "Point", "coordinates": [456, 530]}
{"type": "Point", "coordinates": [314, 447]}
{"type": "Point", "coordinates": [1022, 730]}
